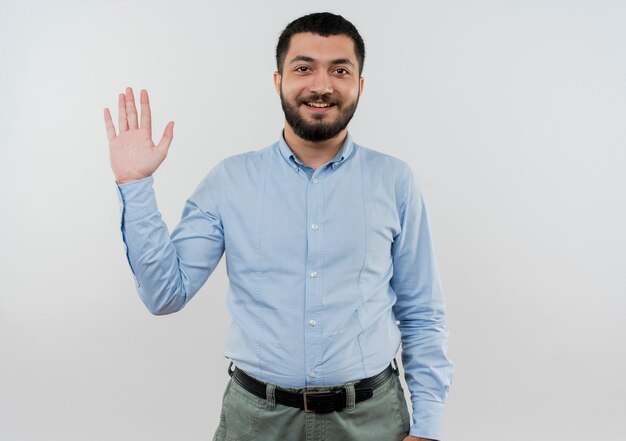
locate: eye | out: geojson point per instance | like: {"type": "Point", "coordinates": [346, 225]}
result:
{"type": "Point", "coordinates": [342, 71]}
{"type": "Point", "coordinates": [302, 68]}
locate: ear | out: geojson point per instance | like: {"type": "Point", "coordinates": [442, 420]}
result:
{"type": "Point", "coordinates": [361, 84]}
{"type": "Point", "coordinates": [277, 78]}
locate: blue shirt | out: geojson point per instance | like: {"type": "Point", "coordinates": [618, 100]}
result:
{"type": "Point", "coordinates": [330, 270]}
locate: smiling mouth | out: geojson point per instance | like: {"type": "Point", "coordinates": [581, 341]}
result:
{"type": "Point", "coordinates": [319, 105]}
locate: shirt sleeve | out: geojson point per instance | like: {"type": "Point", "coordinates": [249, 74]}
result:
{"type": "Point", "coordinates": [420, 311]}
{"type": "Point", "coordinates": [170, 269]}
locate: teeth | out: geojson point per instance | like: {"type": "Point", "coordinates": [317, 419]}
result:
{"type": "Point", "coordinates": [318, 104]}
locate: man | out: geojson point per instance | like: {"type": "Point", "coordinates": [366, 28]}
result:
{"type": "Point", "coordinates": [328, 252]}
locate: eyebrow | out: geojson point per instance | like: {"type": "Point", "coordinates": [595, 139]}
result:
{"type": "Point", "coordinates": [312, 60]}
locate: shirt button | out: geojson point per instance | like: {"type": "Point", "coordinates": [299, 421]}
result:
{"type": "Point", "coordinates": [314, 180]}
{"type": "Point", "coordinates": [314, 274]}
{"type": "Point", "coordinates": [312, 374]}
{"type": "Point", "coordinates": [315, 226]}
{"type": "Point", "coordinates": [312, 323]}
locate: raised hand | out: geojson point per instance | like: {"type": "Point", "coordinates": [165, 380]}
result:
{"type": "Point", "coordinates": [133, 154]}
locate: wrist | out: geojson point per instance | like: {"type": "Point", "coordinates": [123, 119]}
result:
{"type": "Point", "coordinates": [126, 181]}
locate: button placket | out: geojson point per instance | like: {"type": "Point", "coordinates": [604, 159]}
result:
{"type": "Point", "coordinates": [312, 331]}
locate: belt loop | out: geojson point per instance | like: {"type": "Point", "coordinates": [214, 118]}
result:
{"type": "Point", "coordinates": [350, 397]}
{"type": "Point", "coordinates": [270, 396]}
{"type": "Point", "coordinates": [230, 373]}
{"type": "Point", "coordinates": [394, 367]}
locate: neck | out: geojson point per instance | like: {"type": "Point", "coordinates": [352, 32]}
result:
{"type": "Point", "coordinates": [314, 154]}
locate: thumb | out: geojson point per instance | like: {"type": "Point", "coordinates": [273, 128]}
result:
{"type": "Point", "coordinates": [166, 140]}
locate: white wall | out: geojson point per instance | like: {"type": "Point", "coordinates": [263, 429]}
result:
{"type": "Point", "coordinates": [512, 113]}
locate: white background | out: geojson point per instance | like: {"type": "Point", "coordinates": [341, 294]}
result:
{"type": "Point", "coordinates": [512, 113]}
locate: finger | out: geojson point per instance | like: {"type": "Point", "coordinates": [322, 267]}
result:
{"type": "Point", "coordinates": [121, 114]}
{"type": "Point", "coordinates": [131, 110]}
{"type": "Point", "coordinates": [146, 115]}
{"type": "Point", "coordinates": [108, 122]}
{"type": "Point", "coordinates": [166, 140]}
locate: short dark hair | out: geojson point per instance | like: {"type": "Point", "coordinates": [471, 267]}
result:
{"type": "Point", "coordinates": [324, 24]}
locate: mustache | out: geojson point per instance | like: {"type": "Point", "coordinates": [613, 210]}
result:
{"type": "Point", "coordinates": [326, 98]}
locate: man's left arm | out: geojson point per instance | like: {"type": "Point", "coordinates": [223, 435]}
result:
{"type": "Point", "coordinates": [420, 310]}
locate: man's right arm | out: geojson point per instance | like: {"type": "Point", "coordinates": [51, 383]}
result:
{"type": "Point", "coordinates": [170, 269]}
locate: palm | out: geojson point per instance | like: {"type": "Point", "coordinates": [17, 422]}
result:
{"type": "Point", "coordinates": [132, 152]}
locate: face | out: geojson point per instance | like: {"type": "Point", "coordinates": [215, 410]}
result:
{"type": "Point", "coordinates": [320, 85]}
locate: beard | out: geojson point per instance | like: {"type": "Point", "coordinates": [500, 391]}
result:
{"type": "Point", "coordinates": [319, 129]}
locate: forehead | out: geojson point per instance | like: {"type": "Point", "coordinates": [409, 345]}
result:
{"type": "Point", "coordinates": [321, 48]}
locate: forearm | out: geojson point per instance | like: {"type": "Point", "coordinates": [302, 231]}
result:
{"type": "Point", "coordinates": [150, 252]}
{"type": "Point", "coordinates": [428, 373]}
{"type": "Point", "coordinates": [170, 269]}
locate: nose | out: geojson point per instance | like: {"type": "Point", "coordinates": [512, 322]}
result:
{"type": "Point", "coordinates": [321, 83]}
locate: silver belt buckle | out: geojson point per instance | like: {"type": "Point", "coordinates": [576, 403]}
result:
{"type": "Point", "coordinates": [313, 392]}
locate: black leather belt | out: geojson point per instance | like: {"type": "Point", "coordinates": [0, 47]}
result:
{"type": "Point", "coordinates": [320, 401]}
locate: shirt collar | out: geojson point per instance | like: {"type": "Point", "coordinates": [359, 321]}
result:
{"type": "Point", "coordinates": [344, 152]}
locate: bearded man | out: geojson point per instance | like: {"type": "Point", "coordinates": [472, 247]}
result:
{"type": "Point", "coordinates": [329, 257]}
